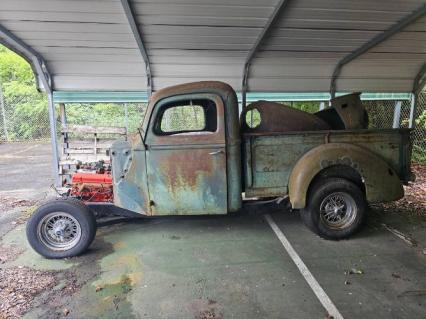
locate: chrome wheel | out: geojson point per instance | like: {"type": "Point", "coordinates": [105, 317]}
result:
{"type": "Point", "coordinates": [59, 231]}
{"type": "Point", "coordinates": [338, 210]}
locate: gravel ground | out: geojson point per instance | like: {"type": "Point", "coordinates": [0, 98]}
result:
{"type": "Point", "coordinates": [9, 253]}
{"type": "Point", "coordinates": [19, 286]}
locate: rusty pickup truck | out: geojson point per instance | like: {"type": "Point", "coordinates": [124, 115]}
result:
{"type": "Point", "coordinates": [194, 154]}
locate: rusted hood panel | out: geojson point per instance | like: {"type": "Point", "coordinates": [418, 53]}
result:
{"type": "Point", "coordinates": [276, 117]}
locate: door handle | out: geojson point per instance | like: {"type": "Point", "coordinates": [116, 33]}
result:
{"type": "Point", "coordinates": [216, 152]}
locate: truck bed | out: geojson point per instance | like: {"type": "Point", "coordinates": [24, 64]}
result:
{"type": "Point", "coordinates": [269, 158]}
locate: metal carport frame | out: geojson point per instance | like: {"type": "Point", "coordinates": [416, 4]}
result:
{"type": "Point", "coordinates": [138, 37]}
{"type": "Point", "coordinates": [256, 45]}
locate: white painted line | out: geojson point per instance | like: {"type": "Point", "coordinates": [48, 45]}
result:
{"type": "Point", "coordinates": [310, 279]}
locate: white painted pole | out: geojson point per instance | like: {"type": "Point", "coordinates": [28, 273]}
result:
{"type": "Point", "coordinates": [397, 114]}
{"type": "Point", "coordinates": [412, 121]}
{"type": "Point", "coordinates": [53, 137]}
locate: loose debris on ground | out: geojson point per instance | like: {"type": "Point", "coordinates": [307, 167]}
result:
{"type": "Point", "coordinates": [414, 201]}
{"type": "Point", "coordinates": [406, 238]}
{"type": "Point", "coordinates": [19, 286]}
{"type": "Point", "coordinates": [9, 253]}
{"type": "Point", "coordinates": [8, 203]}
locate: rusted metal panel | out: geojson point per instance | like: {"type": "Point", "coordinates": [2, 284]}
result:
{"type": "Point", "coordinates": [187, 181]}
{"type": "Point", "coordinates": [232, 131]}
{"type": "Point", "coordinates": [187, 172]}
{"type": "Point", "coordinates": [382, 183]}
{"type": "Point", "coordinates": [129, 175]}
{"type": "Point", "coordinates": [272, 157]}
{"type": "Point", "coordinates": [276, 117]}
{"type": "Point", "coordinates": [351, 111]}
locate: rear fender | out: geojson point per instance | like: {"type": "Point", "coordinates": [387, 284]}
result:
{"type": "Point", "coordinates": [381, 182]}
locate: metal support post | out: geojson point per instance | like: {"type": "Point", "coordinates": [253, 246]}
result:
{"type": "Point", "coordinates": [412, 121]}
{"type": "Point", "coordinates": [397, 114]}
{"type": "Point", "coordinates": [54, 141]}
{"type": "Point", "coordinates": [126, 117]}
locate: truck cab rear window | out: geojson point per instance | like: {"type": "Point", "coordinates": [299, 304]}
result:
{"type": "Point", "coordinates": [186, 117]}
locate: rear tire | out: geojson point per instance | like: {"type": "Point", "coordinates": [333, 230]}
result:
{"type": "Point", "coordinates": [61, 228]}
{"type": "Point", "coordinates": [335, 209]}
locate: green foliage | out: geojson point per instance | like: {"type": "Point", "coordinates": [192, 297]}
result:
{"type": "Point", "coordinates": [106, 114]}
{"type": "Point", "coordinates": [419, 151]}
{"type": "Point", "coordinates": [24, 105]}
{"type": "Point", "coordinates": [14, 68]}
{"type": "Point", "coordinates": [421, 120]}
{"type": "Point", "coordinates": [419, 154]}
{"type": "Point", "coordinates": [310, 107]}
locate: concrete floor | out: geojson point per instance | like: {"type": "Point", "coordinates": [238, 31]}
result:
{"type": "Point", "coordinates": [233, 267]}
{"type": "Point", "coordinates": [25, 168]}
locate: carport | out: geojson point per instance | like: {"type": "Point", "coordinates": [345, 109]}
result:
{"type": "Point", "coordinates": [286, 46]}
{"type": "Point", "coordinates": [124, 50]}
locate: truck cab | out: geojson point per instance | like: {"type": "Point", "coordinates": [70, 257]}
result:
{"type": "Point", "coordinates": [186, 158]}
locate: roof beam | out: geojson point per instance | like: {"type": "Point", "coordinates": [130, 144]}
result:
{"type": "Point", "coordinates": [420, 80]}
{"type": "Point", "coordinates": [281, 4]}
{"type": "Point", "coordinates": [138, 37]}
{"type": "Point", "coordinates": [398, 26]}
{"type": "Point", "coordinates": [36, 60]}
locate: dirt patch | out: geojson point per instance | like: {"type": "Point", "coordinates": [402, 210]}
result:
{"type": "Point", "coordinates": [19, 286]}
{"type": "Point", "coordinates": [75, 282]}
{"type": "Point", "coordinates": [414, 201]}
{"type": "Point", "coordinates": [205, 309]}
{"type": "Point", "coordinates": [9, 253]}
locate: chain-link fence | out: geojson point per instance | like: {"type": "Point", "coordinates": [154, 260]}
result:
{"type": "Point", "coordinates": [381, 115]}
{"type": "Point", "coordinates": [128, 115]}
{"type": "Point", "coordinates": [23, 117]}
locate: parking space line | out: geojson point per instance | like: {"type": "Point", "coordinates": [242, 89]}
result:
{"type": "Point", "coordinates": [310, 279]}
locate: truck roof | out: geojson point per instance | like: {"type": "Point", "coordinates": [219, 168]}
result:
{"type": "Point", "coordinates": [217, 87]}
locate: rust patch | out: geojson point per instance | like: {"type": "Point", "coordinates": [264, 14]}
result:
{"type": "Point", "coordinates": [182, 171]}
{"type": "Point", "coordinates": [276, 117]}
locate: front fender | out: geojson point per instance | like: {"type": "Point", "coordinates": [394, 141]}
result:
{"type": "Point", "coordinates": [381, 182]}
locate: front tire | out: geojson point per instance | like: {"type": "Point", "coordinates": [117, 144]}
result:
{"type": "Point", "coordinates": [335, 209]}
{"type": "Point", "coordinates": [61, 228]}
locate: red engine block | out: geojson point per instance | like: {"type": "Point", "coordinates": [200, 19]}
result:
{"type": "Point", "coordinates": [92, 187]}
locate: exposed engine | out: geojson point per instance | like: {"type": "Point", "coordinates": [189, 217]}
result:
{"type": "Point", "coordinates": [92, 183]}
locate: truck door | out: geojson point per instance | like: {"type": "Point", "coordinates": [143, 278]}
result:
{"type": "Point", "coordinates": [186, 156]}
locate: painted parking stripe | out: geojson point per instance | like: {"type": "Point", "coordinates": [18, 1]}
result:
{"type": "Point", "coordinates": [310, 279]}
